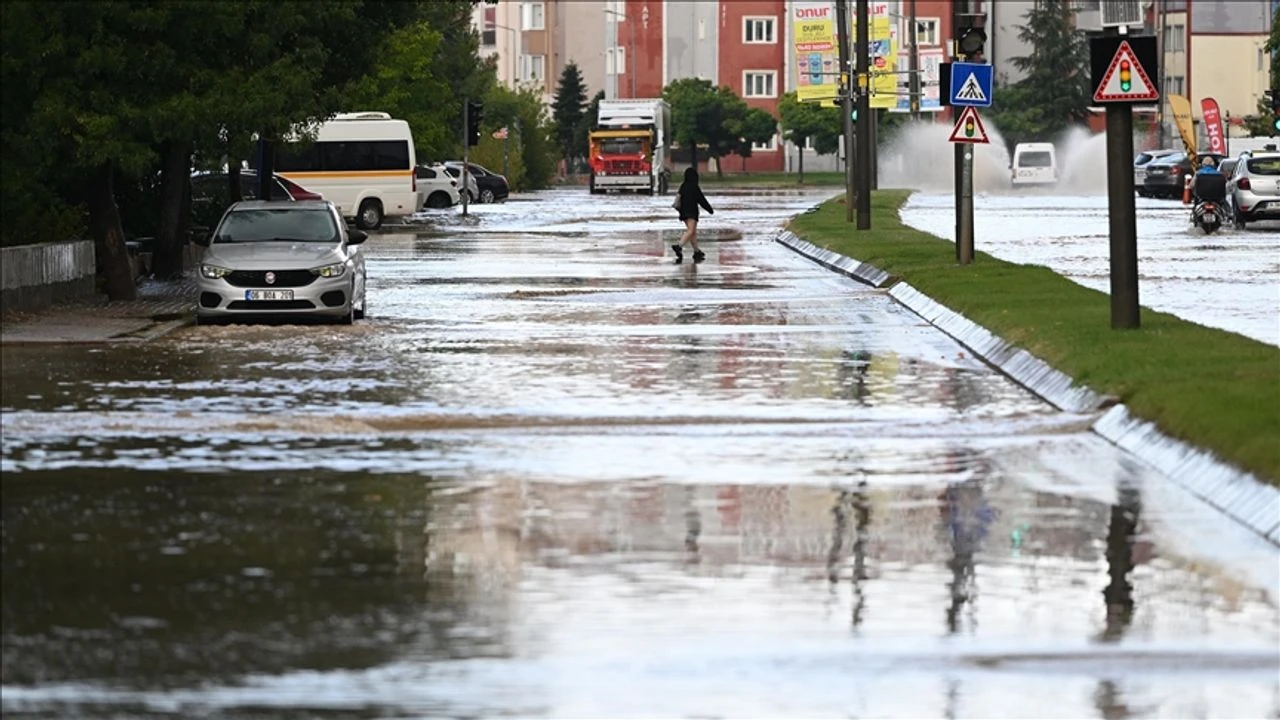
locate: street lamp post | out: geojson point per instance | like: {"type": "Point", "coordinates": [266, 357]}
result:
{"type": "Point", "coordinates": [631, 50]}
{"type": "Point", "coordinates": [515, 55]}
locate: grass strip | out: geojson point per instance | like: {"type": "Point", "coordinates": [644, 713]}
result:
{"type": "Point", "coordinates": [769, 179]}
{"type": "Point", "coordinates": [1211, 388]}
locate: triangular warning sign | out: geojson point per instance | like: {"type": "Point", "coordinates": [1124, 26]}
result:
{"type": "Point", "coordinates": [1125, 80]}
{"type": "Point", "coordinates": [971, 90]}
{"type": "Point", "coordinates": [969, 128]}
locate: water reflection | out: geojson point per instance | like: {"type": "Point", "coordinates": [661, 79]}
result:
{"type": "Point", "coordinates": [1121, 534]}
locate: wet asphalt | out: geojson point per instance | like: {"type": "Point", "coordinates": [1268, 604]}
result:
{"type": "Point", "coordinates": [557, 475]}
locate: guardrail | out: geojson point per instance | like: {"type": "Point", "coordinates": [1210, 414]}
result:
{"type": "Point", "coordinates": [37, 276]}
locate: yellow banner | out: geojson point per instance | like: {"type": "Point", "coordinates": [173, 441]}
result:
{"type": "Point", "coordinates": [814, 39]}
{"type": "Point", "coordinates": [1181, 108]}
{"type": "Point", "coordinates": [883, 55]}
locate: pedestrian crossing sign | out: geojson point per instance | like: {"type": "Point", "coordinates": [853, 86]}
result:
{"type": "Point", "coordinates": [971, 84]}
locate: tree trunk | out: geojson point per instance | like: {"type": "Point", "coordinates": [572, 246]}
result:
{"type": "Point", "coordinates": [719, 169]}
{"type": "Point", "coordinates": [110, 252]}
{"type": "Point", "coordinates": [800, 161]}
{"type": "Point", "coordinates": [175, 211]}
{"type": "Point", "coordinates": [233, 181]}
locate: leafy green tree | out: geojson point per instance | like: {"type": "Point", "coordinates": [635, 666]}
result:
{"type": "Point", "coordinates": [529, 151]}
{"type": "Point", "coordinates": [756, 127]}
{"type": "Point", "coordinates": [704, 115]}
{"type": "Point", "coordinates": [567, 112]}
{"type": "Point", "coordinates": [1055, 92]}
{"type": "Point", "coordinates": [804, 120]}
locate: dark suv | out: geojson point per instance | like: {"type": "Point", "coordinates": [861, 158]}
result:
{"type": "Point", "coordinates": [490, 186]}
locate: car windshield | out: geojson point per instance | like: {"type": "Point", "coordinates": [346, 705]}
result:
{"type": "Point", "coordinates": [1040, 159]}
{"type": "Point", "coordinates": [1264, 166]}
{"type": "Point", "coordinates": [277, 225]}
{"type": "Point", "coordinates": [1143, 158]}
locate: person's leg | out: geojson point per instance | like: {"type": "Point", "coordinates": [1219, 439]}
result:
{"type": "Point", "coordinates": [693, 240]}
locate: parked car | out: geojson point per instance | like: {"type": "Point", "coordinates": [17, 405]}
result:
{"type": "Point", "coordinates": [436, 190]}
{"type": "Point", "coordinates": [485, 185]}
{"type": "Point", "coordinates": [282, 258]}
{"type": "Point", "coordinates": [1140, 167]}
{"type": "Point", "coordinates": [210, 193]}
{"type": "Point", "coordinates": [1254, 187]}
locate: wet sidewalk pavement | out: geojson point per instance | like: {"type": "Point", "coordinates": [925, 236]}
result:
{"type": "Point", "coordinates": [161, 307]}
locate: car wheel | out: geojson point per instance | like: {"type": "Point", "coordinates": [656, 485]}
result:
{"type": "Point", "coordinates": [486, 196]}
{"type": "Point", "coordinates": [370, 215]}
{"type": "Point", "coordinates": [438, 200]}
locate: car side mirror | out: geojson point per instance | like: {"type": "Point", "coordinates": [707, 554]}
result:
{"type": "Point", "coordinates": [203, 240]}
{"type": "Point", "coordinates": [355, 237]}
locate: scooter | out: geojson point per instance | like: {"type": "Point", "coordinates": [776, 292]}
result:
{"type": "Point", "coordinates": [1209, 216]}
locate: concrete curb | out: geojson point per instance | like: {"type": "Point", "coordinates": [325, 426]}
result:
{"type": "Point", "coordinates": [1238, 494]}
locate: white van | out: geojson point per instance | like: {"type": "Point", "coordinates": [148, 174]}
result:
{"type": "Point", "coordinates": [1034, 164]}
{"type": "Point", "coordinates": [362, 162]}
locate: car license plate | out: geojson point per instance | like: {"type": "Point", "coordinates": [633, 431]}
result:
{"type": "Point", "coordinates": [268, 294]}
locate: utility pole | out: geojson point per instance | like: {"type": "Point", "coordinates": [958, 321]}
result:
{"type": "Point", "coordinates": [960, 150]}
{"type": "Point", "coordinates": [913, 62]}
{"type": "Point", "coordinates": [631, 55]}
{"type": "Point", "coordinates": [466, 151]}
{"type": "Point", "coordinates": [846, 105]}
{"type": "Point", "coordinates": [1161, 8]}
{"type": "Point", "coordinates": [864, 117]}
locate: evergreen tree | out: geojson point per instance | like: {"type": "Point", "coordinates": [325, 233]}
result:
{"type": "Point", "coordinates": [1055, 92]}
{"type": "Point", "coordinates": [567, 111]}
{"type": "Point", "coordinates": [1261, 124]}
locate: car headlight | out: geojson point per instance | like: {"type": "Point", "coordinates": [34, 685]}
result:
{"type": "Point", "coordinates": [330, 271]}
{"type": "Point", "coordinates": [214, 272]}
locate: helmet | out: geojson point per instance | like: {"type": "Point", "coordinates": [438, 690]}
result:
{"type": "Point", "coordinates": [1209, 161]}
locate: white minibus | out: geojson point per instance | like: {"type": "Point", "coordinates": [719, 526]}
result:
{"type": "Point", "coordinates": [1034, 164]}
{"type": "Point", "coordinates": [362, 162]}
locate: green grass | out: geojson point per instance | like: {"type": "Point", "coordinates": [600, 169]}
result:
{"type": "Point", "coordinates": [770, 179]}
{"type": "Point", "coordinates": [1214, 389]}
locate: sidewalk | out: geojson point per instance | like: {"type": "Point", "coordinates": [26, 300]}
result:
{"type": "Point", "coordinates": [160, 308]}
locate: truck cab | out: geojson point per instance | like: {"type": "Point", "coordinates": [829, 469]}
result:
{"type": "Point", "coordinates": [629, 148]}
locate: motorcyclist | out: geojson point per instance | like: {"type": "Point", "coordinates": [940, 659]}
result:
{"type": "Point", "coordinates": [1209, 167]}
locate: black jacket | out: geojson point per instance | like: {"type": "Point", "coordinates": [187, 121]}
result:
{"type": "Point", "coordinates": [690, 198]}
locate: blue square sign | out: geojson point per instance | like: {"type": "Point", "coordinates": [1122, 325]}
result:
{"type": "Point", "coordinates": [971, 84]}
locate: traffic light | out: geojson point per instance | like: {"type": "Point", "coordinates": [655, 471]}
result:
{"type": "Point", "coordinates": [1275, 109]}
{"type": "Point", "coordinates": [971, 38]}
{"type": "Point", "coordinates": [1126, 76]}
{"type": "Point", "coordinates": [970, 129]}
{"type": "Point", "coordinates": [475, 113]}
{"type": "Point", "coordinates": [854, 115]}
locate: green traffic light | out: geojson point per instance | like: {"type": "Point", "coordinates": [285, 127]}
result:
{"type": "Point", "coordinates": [854, 116]}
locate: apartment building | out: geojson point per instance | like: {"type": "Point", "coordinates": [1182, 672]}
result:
{"type": "Point", "coordinates": [534, 41]}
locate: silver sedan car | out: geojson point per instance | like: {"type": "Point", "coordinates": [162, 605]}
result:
{"type": "Point", "coordinates": [282, 259]}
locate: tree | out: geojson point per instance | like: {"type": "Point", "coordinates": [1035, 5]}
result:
{"type": "Point", "coordinates": [529, 150]}
{"type": "Point", "coordinates": [702, 114]}
{"type": "Point", "coordinates": [804, 120]}
{"type": "Point", "coordinates": [567, 112]}
{"type": "Point", "coordinates": [757, 127]}
{"type": "Point", "coordinates": [1055, 92]}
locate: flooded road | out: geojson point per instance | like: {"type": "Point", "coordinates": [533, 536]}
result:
{"type": "Point", "coordinates": [1228, 280]}
{"type": "Point", "coordinates": [556, 475]}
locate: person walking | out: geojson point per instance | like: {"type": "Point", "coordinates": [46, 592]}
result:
{"type": "Point", "coordinates": [688, 198]}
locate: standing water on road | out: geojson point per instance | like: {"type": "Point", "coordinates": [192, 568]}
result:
{"type": "Point", "coordinates": [555, 475]}
{"type": "Point", "coordinates": [1228, 280]}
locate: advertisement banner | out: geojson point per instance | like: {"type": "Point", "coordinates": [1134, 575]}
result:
{"type": "Point", "coordinates": [816, 55]}
{"type": "Point", "coordinates": [1214, 132]}
{"type": "Point", "coordinates": [1181, 108]}
{"type": "Point", "coordinates": [883, 54]}
{"type": "Point", "coordinates": [931, 60]}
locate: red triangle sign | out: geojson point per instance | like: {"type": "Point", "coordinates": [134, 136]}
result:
{"type": "Point", "coordinates": [969, 128]}
{"type": "Point", "coordinates": [1125, 80]}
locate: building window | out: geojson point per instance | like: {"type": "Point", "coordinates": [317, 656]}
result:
{"type": "Point", "coordinates": [488, 32]}
{"type": "Point", "coordinates": [534, 16]}
{"type": "Point", "coordinates": [615, 61]}
{"type": "Point", "coordinates": [759, 83]}
{"type": "Point", "coordinates": [927, 31]}
{"type": "Point", "coordinates": [758, 30]}
{"type": "Point", "coordinates": [1173, 85]}
{"type": "Point", "coordinates": [532, 68]}
{"type": "Point", "coordinates": [1175, 38]}
{"type": "Point", "coordinates": [765, 147]}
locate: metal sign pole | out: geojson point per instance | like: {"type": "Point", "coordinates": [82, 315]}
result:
{"type": "Point", "coordinates": [864, 116]}
{"type": "Point", "coordinates": [466, 150]}
{"type": "Point", "coordinates": [846, 105]}
{"type": "Point", "coordinates": [1122, 214]}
